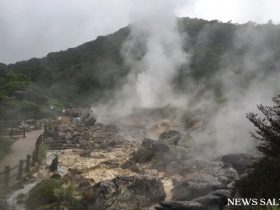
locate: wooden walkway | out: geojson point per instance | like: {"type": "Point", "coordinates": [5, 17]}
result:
{"type": "Point", "coordinates": [20, 149]}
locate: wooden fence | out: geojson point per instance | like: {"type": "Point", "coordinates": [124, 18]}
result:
{"type": "Point", "coordinates": [16, 132]}
{"type": "Point", "coordinates": [13, 176]}
{"type": "Point", "coordinates": [20, 131]}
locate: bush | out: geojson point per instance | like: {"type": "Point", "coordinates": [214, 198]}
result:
{"type": "Point", "coordinates": [5, 144]}
{"type": "Point", "coordinates": [55, 192]}
{"type": "Point", "coordinates": [42, 194]}
{"type": "Point", "coordinates": [263, 181]}
{"type": "Point", "coordinates": [42, 152]}
{"type": "Point", "coordinates": [268, 128]}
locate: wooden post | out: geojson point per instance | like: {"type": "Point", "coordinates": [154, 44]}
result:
{"type": "Point", "coordinates": [20, 169]}
{"type": "Point", "coordinates": [33, 161]}
{"type": "Point", "coordinates": [12, 131]}
{"type": "Point", "coordinates": [7, 175]}
{"type": "Point", "coordinates": [23, 132]}
{"type": "Point", "coordinates": [28, 162]}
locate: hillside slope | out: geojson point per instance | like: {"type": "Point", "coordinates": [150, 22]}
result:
{"type": "Point", "coordinates": [92, 71]}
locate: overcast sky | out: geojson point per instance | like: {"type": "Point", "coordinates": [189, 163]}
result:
{"type": "Point", "coordinates": [32, 28]}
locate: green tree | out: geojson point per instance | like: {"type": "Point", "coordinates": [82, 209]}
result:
{"type": "Point", "coordinates": [264, 180]}
{"type": "Point", "coordinates": [268, 128]}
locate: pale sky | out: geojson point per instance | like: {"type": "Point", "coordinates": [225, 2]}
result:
{"type": "Point", "coordinates": [32, 28]}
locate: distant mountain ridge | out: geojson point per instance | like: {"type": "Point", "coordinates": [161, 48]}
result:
{"type": "Point", "coordinates": [92, 71]}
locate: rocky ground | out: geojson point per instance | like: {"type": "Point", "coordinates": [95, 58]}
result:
{"type": "Point", "coordinates": [118, 173]}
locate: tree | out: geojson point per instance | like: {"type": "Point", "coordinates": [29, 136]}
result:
{"type": "Point", "coordinates": [268, 128]}
{"type": "Point", "coordinates": [264, 180]}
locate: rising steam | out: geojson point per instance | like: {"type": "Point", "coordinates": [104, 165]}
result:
{"type": "Point", "coordinates": [153, 52]}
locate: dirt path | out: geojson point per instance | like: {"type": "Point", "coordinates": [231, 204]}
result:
{"type": "Point", "coordinates": [20, 148]}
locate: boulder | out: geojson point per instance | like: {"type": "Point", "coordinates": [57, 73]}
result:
{"type": "Point", "coordinates": [126, 193]}
{"type": "Point", "coordinates": [240, 162]}
{"type": "Point", "coordinates": [85, 153]}
{"type": "Point", "coordinates": [142, 155]}
{"type": "Point", "coordinates": [216, 198]}
{"type": "Point", "coordinates": [188, 190]}
{"type": "Point", "coordinates": [212, 201]}
{"type": "Point", "coordinates": [171, 137]}
{"type": "Point", "coordinates": [155, 146]}
{"type": "Point", "coordinates": [180, 205]}
{"type": "Point", "coordinates": [148, 150]}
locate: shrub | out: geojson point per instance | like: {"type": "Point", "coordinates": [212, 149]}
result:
{"type": "Point", "coordinates": [42, 194]}
{"type": "Point", "coordinates": [263, 181]}
{"type": "Point", "coordinates": [55, 192]}
{"type": "Point", "coordinates": [5, 144]}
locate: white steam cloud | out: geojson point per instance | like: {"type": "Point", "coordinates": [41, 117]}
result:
{"type": "Point", "coordinates": [246, 81]}
{"type": "Point", "coordinates": [247, 75]}
{"type": "Point", "coordinates": [153, 53]}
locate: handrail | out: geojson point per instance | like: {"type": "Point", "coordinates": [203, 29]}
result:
{"type": "Point", "coordinates": [24, 166]}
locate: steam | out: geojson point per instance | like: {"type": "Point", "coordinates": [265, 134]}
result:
{"type": "Point", "coordinates": [248, 75]}
{"type": "Point", "coordinates": [246, 79]}
{"type": "Point", "coordinates": [153, 53]}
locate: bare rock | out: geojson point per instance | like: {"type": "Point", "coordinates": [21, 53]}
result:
{"type": "Point", "coordinates": [126, 193]}
{"type": "Point", "coordinates": [188, 190]}
{"type": "Point", "coordinates": [85, 153]}
{"type": "Point", "coordinates": [171, 137]}
{"type": "Point", "coordinates": [155, 146]}
{"type": "Point", "coordinates": [216, 198]}
{"type": "Point", "coordinates": [240, 162]}
{"type": "Point", "coordinates": [142, 155]}
{"type": "Point", "coordinates": [180, 205]}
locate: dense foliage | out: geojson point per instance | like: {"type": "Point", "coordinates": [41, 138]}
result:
{"type": "Point", "coordinates": [91, 71]}
{"type": "Point", "coordinates": [263, 181]}
{"type": "Point", "coordinates": [268, 128]}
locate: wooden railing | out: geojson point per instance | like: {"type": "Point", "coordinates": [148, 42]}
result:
{"type": "Point", "coordinates": [13, 176]}
{"type": "Point", "coordinates": [16, 132]}
{"type": "Point", "coordinates": [20, 131]}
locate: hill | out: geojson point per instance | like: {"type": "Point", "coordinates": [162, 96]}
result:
{"type": "Point", "coordinates": [94, 70]}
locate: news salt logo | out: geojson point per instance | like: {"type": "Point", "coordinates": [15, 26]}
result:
{"type": "Point", "coordinates": [253, 202]}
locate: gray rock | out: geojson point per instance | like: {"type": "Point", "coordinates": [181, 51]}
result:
{"type": "Point", "coordinates": [126, 193]}
{"type": "Point", "coordinates": [240, 162]}
{"type": "Point", "coordinates": [155, 146]}
{"type": "Point", "coordinates": [216, 198]}
{"type": "Point", "coordinates": [85, 153]}
{"type": "Point", "coordinates": [180, 205]}
{"type": "Point", "coordinates": [142, 155]}
{"type": "Point", "coordinates": [149, 150]}
{"type": "Point", "coordinates": [171, 137]}
{"type": "Point", "coordinates": [191, 189]}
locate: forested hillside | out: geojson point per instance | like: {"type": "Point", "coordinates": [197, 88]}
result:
{"type": "Point", "coordinates": [92, 71]}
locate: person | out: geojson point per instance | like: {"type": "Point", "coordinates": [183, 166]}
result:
{"type": "Point", "coordinates": [54, 164]}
